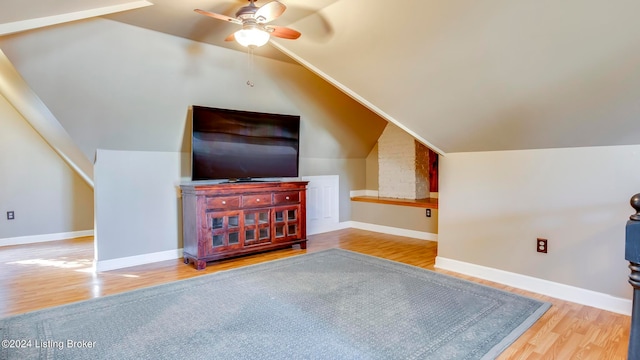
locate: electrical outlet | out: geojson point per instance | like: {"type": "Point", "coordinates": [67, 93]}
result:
{"type": "Point", "coordinates": [428, 212]}
{"type": "Point", "coordinates": [541, 245]}
{"type": "Point", "coordinates": [10, 215]}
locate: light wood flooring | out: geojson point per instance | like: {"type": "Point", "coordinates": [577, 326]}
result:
{"type": "Point", "coordinates": [48, 274]}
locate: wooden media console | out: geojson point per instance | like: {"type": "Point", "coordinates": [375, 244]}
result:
{"type": "Point", "coordinates": [232, 219]}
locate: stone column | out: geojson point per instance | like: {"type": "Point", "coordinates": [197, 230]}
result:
{"type": "Point", "coordinates": [403, 165]}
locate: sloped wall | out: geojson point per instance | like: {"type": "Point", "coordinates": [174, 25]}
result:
{"type": "Point", "coordinates": [116, 86]}
{"type": "Point", "coordinates": [47, 196]}
{"type": "Point", "coordinates": [482, 76]}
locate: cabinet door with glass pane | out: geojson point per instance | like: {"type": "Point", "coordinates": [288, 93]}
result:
{"type": "Point", "coordinates": [286, 221]}
{"type": "Point", "coordinates": [225, 231]}
{"type": "Point", "coordinates": [257, 229]}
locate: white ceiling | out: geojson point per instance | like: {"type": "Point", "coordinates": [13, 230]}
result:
{"type": "Point", "coordinates": [18, 10]}
{"type": "Point", "coordinates": [461, 75]}
{"type": "Point", "coordinates": [178, 18]}
{"type": "Point", "coordinates": [167, 16]}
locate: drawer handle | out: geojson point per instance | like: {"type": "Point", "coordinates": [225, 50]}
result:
{"type": "Point", "coordinates": [224, 202]}
{"type": "Point", "coordinates": [287, 198]}
{"type": "Point", "coordinates": [257, 200]}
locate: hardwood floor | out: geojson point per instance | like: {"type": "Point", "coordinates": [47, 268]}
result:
{"type": "Point", "coordinates": [49, 274]}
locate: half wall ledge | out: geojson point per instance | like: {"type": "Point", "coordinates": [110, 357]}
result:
{"type": "Point", "coordinates": [427, 203]}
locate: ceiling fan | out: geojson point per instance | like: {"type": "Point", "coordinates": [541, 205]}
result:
{"type": "Point", "coordinates": [255, 32]}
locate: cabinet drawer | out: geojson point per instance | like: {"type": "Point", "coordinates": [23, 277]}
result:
{"type": "Point", "coordinates": [256, 200]}
{"type": "Point", "coordinates": [287, 198]}
{"type": "Point", "coordinates": [226, 202]}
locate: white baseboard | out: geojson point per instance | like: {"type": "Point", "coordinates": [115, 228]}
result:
{"type": "Point", "coordinates": [540, 286]}
{"type": "Point", "coordinates": [32, 239]}
{"type": "Point", "coordinates": [377, 228]}
{"type": "Point", "coordinates": [119, 263]}
{"type": "Point", "coordinates": [391, 230]}
{"type": "Point", "coordinates": [330, 227]}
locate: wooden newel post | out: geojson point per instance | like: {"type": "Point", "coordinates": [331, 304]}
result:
{"type": "Point", "coordinates": [632, 255]}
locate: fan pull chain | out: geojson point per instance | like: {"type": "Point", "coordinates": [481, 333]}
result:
{"type": "Point", "coordinates": [250, 65]}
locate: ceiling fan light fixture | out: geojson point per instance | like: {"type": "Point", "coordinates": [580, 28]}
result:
{"type": "Point", "coordinates": [254, 32]}
{"type": "Point", "coordinates": [251, 37]}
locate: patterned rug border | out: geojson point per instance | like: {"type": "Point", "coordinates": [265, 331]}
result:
{"type": "Point", "coordinates": [142, 294]}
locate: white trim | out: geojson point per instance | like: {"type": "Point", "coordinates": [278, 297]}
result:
{"type": "Point", "coordinates": [22, 240]}
{"type": "Point", "coordinates": [392, 230]}
{"type": "Point", "coordinates": [119, 263]}
{"type": "Point", "coordinates": [332, 227]}
{"type": "Point", "coordinates": [323, 202]}
{"type": "Point", "coordinates": [421, 235]}
{"type": "Point", "coordinates": [353, 193]}
{"type": "Point", "coordinates": [113, 264]}
{"type": "Point", "coordinates": [540, 286]}
{"type": "Point", "coordinates": [107, 265]}
{"type": "Point", "coordinates": [17, 26]}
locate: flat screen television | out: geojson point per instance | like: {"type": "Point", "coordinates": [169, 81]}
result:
{"type": "Point", "coordinates": [242, 145]}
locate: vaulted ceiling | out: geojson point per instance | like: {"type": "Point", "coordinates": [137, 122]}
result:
{"type": "Point", "coordinates": [460, 75]}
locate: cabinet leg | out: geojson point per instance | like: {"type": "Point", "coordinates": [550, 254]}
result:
{"type": "Point", "coordinates": [186, 260]}
{"type": "Point", "coordinates": [303, 245]}
{"type": "Point", "coordinates": [201, 264]}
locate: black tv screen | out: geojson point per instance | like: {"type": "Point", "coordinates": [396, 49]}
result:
{"type": "Point", "coordinates": [243, 145]}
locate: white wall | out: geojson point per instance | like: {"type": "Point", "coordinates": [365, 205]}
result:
{"type": "Point", "coordinates": [493, 206]}
{"type": "Point", "coordinates": [137, 201]}
{"type": "Point", "coordinates": [50, 201]}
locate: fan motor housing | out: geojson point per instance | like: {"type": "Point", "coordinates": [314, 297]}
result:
{"type": "Point", "coordinates": [246, 11]}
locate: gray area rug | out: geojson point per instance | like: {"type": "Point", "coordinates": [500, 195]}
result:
{"type": "Point", "coordinates": [333, 304]}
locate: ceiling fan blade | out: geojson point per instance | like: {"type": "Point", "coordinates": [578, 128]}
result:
{"type": "Point", "coordinates": [231, 37]}
{"type": "Point", "coordinates": [218, 16]}
{"type": "Point", "coordinates": [283, 32]}
{"type": "Point", "coordinates": [269, 11]}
